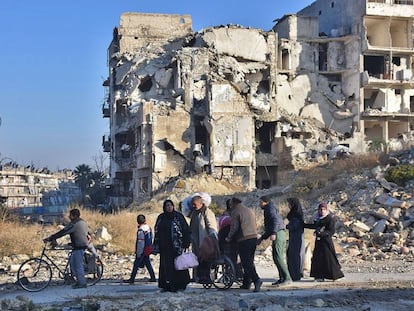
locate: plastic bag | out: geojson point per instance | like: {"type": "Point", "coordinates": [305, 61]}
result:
{"type": "Point", "coordinates": [185, 261]}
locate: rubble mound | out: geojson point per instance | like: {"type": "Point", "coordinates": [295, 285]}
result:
{"type": "Point", "coordinates": [375, 217]}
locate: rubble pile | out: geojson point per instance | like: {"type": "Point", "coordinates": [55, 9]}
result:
{"type": "Point", "coordinates": [375, 217]}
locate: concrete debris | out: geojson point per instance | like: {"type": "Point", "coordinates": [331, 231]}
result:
{"type": "Point", "coordinates": [103, 234]}
{"type": "Point", "coordinates": [387, 200]}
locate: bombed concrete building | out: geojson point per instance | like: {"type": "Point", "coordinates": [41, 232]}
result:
{"type": "Point", "coordinates": [245, 104]}
{"type": "Point", "coordinates": [369, 50]}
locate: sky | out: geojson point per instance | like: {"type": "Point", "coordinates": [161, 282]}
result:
{"type": "Point", "coordinates": [54, 60]}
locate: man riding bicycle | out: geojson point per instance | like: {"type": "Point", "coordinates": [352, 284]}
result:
{"type": "Point", "coordinates": [78, 231]}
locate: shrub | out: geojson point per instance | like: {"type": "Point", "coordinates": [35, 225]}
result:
{"type": "Point", "coordinates": [4, 213]}
{"type": "Point", "coordinates": [400, 174]}
{"type": "Point", "coordinates": [377, 145]}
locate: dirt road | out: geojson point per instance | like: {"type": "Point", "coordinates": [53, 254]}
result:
{"type": "Point", "coordinates": [359, 290]}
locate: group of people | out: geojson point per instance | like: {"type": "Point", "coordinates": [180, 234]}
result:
{"type": "Point", "coordinates": [324, 265]}
{"type": "Point", "coordinates": [236, 233]}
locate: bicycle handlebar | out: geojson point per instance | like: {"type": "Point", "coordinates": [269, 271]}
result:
{"type": "Point", "coordinates": [55, 246]}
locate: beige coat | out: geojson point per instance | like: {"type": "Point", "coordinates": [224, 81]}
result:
{"type": "Point", "coordinates": [203, 222]}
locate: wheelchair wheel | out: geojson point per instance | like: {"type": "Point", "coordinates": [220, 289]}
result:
{"type": "Point", "coordinates": [34, 275]}
{"type": "Point", "coordinates": [93, 271]}
{"type": "Point", "coordinates": [93, 268]}
{"type": "Point", "coordinates": [222, 272]}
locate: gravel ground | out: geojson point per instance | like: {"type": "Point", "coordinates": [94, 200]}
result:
{"type": "Point", "coordinates": [381, 285]}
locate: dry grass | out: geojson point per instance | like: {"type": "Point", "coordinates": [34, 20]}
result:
{"type": "Point", "coordinates": [16, 237]}
{"type": "Point", "coordinates": [324, 177]}
{"type": "Point", "coordinates": [122, 227]}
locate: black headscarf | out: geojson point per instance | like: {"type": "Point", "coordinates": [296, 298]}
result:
{"type": "Point", "coordinates": [295, 209]}
{"type": "Point", "coordinates": [167, 213]}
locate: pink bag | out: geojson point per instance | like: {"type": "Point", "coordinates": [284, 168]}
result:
{"type": "Point", "coordinates": [185, 261]}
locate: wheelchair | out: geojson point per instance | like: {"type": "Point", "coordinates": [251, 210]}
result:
{"type": "Point", "coordinates": [222, 273]}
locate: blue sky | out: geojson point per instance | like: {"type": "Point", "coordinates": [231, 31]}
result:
{"type": "Point", "coordinates": [53, 63]}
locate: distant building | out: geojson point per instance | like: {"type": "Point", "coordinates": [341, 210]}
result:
{"type": "Point", "coordinates": [27, 188]}
{"type": "Point", "coordinates": [247, 104]}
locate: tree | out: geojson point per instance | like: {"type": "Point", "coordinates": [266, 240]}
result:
{"type": "Point", "coordinates": [101, 163]}
{"type": "Point", "coordinates": [92, 184]}
{"type": "Point", "coordinates": [97, 178]}
{"type": "Point", "coordinates": [83, 177]}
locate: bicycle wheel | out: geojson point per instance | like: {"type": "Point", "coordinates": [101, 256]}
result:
{"type": "Point", "coordinates": [34, 274]}
{"type": "Point", "coordinates": [222, 272]}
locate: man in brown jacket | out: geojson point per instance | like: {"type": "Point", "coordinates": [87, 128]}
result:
{"type": "Point", "coordinates": [243, 229]}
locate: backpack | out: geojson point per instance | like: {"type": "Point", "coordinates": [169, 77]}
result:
{"type": "Point", "coordinates": [148, 243]}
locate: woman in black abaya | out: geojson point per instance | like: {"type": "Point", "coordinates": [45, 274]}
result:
{"type": "Point", "coordinates": [325, 264]}
{"type": "Point", "coordinates": [171, 238]}
{"type": "Point", "coordinates": [295, 227]}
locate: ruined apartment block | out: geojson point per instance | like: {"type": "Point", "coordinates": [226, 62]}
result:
{"type": "Point", "coordinates": [382, 86]}
{"type": "Point", "coordinates": [245, 104]}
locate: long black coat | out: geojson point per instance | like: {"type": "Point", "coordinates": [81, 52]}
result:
{"type": "Point", "coordinates": [325, 264]}
{"type": "Point", "coordinates": [172, 237]}
{"type": "Point", "coordinates": [294, 258]}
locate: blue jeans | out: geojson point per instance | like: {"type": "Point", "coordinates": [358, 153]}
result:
{"type": "Point", "coordinates": [76, 265]}
{"type": "Point", "coordinates": [139, 262]}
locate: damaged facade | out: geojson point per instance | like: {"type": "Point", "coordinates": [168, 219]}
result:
{"type": "Point", "coordinates": [244, 104]}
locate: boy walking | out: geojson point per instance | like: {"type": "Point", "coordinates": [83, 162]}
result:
{"type": "Point", "coordinates": [143, 248]}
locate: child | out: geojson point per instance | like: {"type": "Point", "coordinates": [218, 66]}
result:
{"type": "Point", "coordinates": [91, 247]}
{"type": "Point", "coordinates": [142, 250]}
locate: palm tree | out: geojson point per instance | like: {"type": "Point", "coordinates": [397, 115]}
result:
{"type": "Point", "coordinates": [83, 177]}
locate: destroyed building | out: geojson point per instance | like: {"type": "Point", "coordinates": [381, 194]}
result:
{"type": "Point", "coordinates": [246, 104]}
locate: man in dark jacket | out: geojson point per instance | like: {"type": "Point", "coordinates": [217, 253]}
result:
{"type": "Point", "coordinates": [274, 229]}
{"type": "Point", "coordinates": [78, 231]}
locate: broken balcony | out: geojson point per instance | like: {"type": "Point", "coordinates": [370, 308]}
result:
{"type": "Point", "coordinates": [106, 143]}
{"type": "Point", "coordinates": [105, 110]}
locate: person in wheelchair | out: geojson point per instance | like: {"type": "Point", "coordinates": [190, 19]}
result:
{"type": "Point", "coordinates": [204, 238]}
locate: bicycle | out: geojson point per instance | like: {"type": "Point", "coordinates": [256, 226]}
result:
{"type": "Point", "coordinates": [35, 274]}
